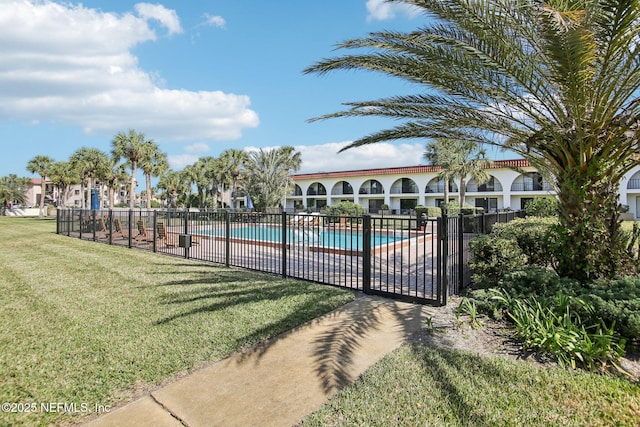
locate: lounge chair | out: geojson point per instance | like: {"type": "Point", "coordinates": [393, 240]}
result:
{"type": "Point", "coordinates": [102, 232]}
{"type": "Point", "coordinates": [119, 230]}
{"type": "Point", "coordinates": [163, 236]}
{"type": "Point", "coordinates": [142, 236]}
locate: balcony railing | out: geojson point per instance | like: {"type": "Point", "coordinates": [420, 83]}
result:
{"type": "Point", "coordinates": [531, 186]}
{"type": "Point", "coordinates": [434, 188]}
{"type": "Point", "coordinates": [371, 191]}
{"type": "Point", "coordinates": [484, 188]}
{"type": "Point", "coordinates": [341, 192]}
{"type": "Point", "coordinates": [399, 190]}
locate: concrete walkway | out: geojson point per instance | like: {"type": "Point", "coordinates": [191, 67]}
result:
{"type": "Point", "coordinates": [283, 380]}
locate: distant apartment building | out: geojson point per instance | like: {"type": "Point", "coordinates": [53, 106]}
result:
{"type": "Point", "coordinates": [400, 189]}
{"type": "Point", "coordinates": [73, 198]}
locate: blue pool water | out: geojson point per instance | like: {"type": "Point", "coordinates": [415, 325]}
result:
{"type": "Point", "coordinates": [315, 237]}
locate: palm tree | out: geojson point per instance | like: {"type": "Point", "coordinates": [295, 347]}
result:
{"type": "Point", "coordinates": [92, 165]}
{"type": "Point", "coordinates": [13, 189]}
{"type": "Point", "coordinates": [232, 162]}
{"type": "Point", "coordinates": [458, 159]}
{"type": "Point", "coordinates": [134, 148]}
{"type": "Point", "coordinates": [554, 81]}
{"type": "Point", "coordinates": [174, 185]}
{"type": "Point", "coordinates": [202, 174]}
{"type": "Point", "coordinates": [63, 175]}
{"type": "Point", "coordinates": [41, 165]}
{"type": "Point", "coordinates": [154, 163]}
{"type": "Point", "coordinates": [115, 178]}
{"type": "Point", "coordinates": [266, 177]}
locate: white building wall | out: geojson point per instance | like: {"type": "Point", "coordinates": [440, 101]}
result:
{"type": "Point", "coordinates": [507, 198]}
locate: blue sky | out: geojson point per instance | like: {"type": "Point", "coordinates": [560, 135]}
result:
{"type": "Point", "coordinates": [197, 77]}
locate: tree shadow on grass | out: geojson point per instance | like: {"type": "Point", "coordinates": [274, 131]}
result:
{"type": "Point", "coordinates": [447, 368]}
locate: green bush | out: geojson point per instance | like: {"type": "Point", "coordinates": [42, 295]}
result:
{"type": "Point", "coordinates": [616, 301]}
{"type": "Point", "coordinates": [537, 281]}
{"type": "Point", "coordinates": [533, 235]}
{"type": "Point", "coordinates": [430, 211]}
{"type": "Point", "coordinates": [493, 257]}
{"type": "Point", "coordinates": [453, 208]}
{"type": "Point", "coordinates": [345, 208]}
{"type": "Point", "coordinates": [542, 207]}
{"type": "Point", "coordinates": [553, 326]}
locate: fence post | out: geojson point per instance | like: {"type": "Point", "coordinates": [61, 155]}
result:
{"type": "Point", "coordinates": [227, 239]}
{"type": "Point", "coordinates": [130, 226]}
{"type": "Point", "coordinates": [154, 223]}
{"type": "Point", "coordinates": [93, 217]}
{"type": "Point", "coordinates": [110, 226]}
{"type": "Point", "coordinates": [460, 283]}
{"type": "Point", "coordinates": [444, 241]}
{"type": "Point", "coordinates": [186, 231]}
{"type": "Point", "coordinates": [284, 244]}
{"type": "Point", "coordinates": [366, 253]}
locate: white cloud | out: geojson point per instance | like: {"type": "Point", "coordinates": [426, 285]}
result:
{"type": "Point", "coordinates": [167, 17]}
{"type": "Point", "coordinates": [178, 162]}
{"type": "Point", "coordinates": [214, 21]}
{"type": "Point", "coordinates": [381, 10]}
{"type": "Point", "coordinates": [325, 157]}
{"type": "Point", "coordinates": [71, 64]}
{"type": "Point", "coordinates": [199, 147]}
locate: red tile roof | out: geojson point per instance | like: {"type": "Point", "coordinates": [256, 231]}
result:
{"type": "Point", "coordinates": [402, 170]}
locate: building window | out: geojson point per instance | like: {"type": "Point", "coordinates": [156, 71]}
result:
{"type": "Point", "coordinates": [487, 203]}
{"type": "Point", "coordinates": [375, 205]}
{"type": "Point", "coordinates": [408, 204]}
{"type": "Point", "coordinates": [409, 186]}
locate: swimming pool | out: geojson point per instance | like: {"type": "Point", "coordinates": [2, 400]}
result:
{"type": "Point", "coordinates": [328, 238]}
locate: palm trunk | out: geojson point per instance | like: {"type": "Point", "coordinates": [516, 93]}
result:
{"type": "Point", "coordinates": [446, 192]}
{"type": "Point", "coordinates": [589, 240]}
{"type": "Point", "coordinates": [132, 190]}
{"type": "Point", "coordinates": [463, 190]}
{"type": "Point", "coordinates": [43, 189]}
{"type": "Point", "coordinates": [148, 183]}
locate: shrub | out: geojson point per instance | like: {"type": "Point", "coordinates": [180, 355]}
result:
{"type": "Point", "coordinates": [533, 235]}
{"type": "Point", "coordinates": [542, 207]}
{"type": "Point", "coordinates": [553, 326]}
{"type": "Point", "coordinates": [493, 257]}
{"type": "Point", "coordinates": [430, 211]}
{"type": "Point", "coordinates": [537, 281]}
{"type": "Point", "coordinates": [345, 208]}
{"type": "Point", "coordinates": [618, 302]}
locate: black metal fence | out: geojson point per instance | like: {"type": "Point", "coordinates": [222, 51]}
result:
{"type": "Point", "coordinates": [404, 258]}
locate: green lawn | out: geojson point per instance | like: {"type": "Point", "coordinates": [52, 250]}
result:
{"type": "Point", "coordinates": [421, 386]}
{"type": "Point", "coordinates": [87, 323]}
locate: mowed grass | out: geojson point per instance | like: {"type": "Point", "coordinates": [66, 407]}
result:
{"type": "Point", "coordinates": [421, 386]}
{"type": "Point", "coordinates": [87, 323]}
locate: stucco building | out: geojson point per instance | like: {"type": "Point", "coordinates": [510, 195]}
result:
{"type": "Point", "coordinates": [511, 184]}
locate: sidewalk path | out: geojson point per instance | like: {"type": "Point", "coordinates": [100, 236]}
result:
{"type": "Point", "coordinates": [280, 382]}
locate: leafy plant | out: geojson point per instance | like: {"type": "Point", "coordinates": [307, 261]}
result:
{"type": "Point", "coordinates": [542, 207]}
{"type": "Point", "coordinates": [468, 307]}
{"type": "Point", "coordinates": [533, 236]}
{"type": "Point", "coordinates": [554, 327]}
{"type": "Point", "coordinates": [493, 257]}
